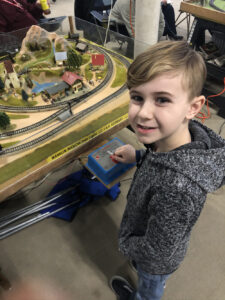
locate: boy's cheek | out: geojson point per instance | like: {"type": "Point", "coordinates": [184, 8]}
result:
{"type": "Point", "coordinates": [130, 119]}
{"type": "Point", "coordinates": [131, 114]}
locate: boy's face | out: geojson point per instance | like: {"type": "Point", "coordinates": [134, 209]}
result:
{"type": "Point", "coordinates": [159, 112]}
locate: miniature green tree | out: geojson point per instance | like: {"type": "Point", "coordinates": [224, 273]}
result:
{"type": "Point", "coordinates": [4, 120]}
{"type": "Point", "coordinates": [29, 82]}
{"type": "Point", "coordinates": [74, 60]}
{"type": "Point", "coordinates": [24, 95]}
{"type": "Point", "coordinates": [58, 47]}
{"type": "Point", "coordinates": [2, 86]}
{"type": "Point", "coordinates": [25, 57]}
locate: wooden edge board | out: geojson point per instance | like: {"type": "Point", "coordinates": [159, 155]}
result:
{"type": "Point", "coordinates": [203, 12]}
{"type": "Point", "coordinates": [29, 177]}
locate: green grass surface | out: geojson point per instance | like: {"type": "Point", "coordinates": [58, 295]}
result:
{"type": "Point", "coordinates": [85, 59]}
{"type": "Point", "coordinates": [8, 128]}
{"type": "Point", "coordinates": [12, 101]}
{"type": "Point", "coordinates": [17, 117]}
{"type": "Point", "coordinates": [88, 73]}
{"type": "Point", "coordinates": [24, 163]}
{"type": "Point", "coordinates": [219, 3]}
{"type": "Point", "coordinates": [101, 74]}
{"type": "Point", "coordinates": [121, 74]}
{"type": "Point", "coordinates": [6, 145]}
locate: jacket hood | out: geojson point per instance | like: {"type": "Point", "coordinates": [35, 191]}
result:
{"type": "Point", "coordinates": [202, 160]}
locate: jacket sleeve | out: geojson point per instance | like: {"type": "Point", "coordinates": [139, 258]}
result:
{"type": "Point", "coordinates": [3, 24]}
{"type": "Point", "coordinates": [166, 228]}
{"type": "Point", "coordinates": [139, 154]}
{"type": "Point", "coordinates": [33, 8]}
{"type": "Point", "coordinates": [6, 14]}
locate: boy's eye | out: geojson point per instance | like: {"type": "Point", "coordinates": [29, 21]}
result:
{"type": "Point", "coordinates": [136, 98]}
{"type": "Point", "coordinates": [162, 100]}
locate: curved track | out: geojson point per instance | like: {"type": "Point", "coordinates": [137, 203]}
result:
{"type": "Point", "coordinates": [73, 102]}
{"type": "Point", "coordinates": [211, 3]}
{"type": "Point", "coordinates": [76, 117]}
{"type": "Point", "coordinates": [58, 104]}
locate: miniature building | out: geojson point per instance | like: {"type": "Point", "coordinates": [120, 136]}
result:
{"type": "Point", "coordinates": [60, 58]}
{"type": "Point", "coordinates": [57, 91]}
{"type": "Point", "coordinates": [81, 47]}
{"type": "Point", "coordinates": [97, 59]}
{"type": "Point", "coordinates": [11, 79]}
{"type": "Point", "coordinates": [64, 115]}
{"type": "Point", "coordinates": [72, 79]}
{"type": "Point", "coordinates": [74, 36]}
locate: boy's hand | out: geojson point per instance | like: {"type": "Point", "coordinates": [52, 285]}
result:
{"type": "Point", "coordinates": [125, 154]}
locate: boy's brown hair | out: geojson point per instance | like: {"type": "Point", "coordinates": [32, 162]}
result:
{"type": "Point", "coordinates": [169, 56]}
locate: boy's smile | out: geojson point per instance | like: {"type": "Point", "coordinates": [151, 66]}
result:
{"type": "Point", "coordinates": [159, 112]}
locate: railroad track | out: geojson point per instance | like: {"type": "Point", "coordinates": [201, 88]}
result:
{"type": "Point", "coordinates": [74, 118]}
{"type": "Point", "coordinates": [73, 102]}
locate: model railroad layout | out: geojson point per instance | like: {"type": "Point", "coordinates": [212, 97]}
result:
{"type": "Point", "coordinates": [212, 4]}
{"type": "Point", "coordinates": [62, 106]}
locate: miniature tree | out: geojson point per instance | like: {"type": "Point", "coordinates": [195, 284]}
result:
{"type": "Point", "coordinates": [74, 60]}
{"type": "Point", "coordinates": [29, 82]}
{"type": "Point", "coordinates": [2, 85]}
{"type": "Point", "coordinates": [4, 120]}
{"type": "Point", "coordinates": [24, 95]}
{"type": "Point", "coordinates": [25, 57]}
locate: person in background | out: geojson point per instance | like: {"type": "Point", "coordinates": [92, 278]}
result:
{"type": "Point", "coordinates": [123, 12]}
{"type": "Point", "coordinates": [182, 163]}
{"type": "Point", "coordinates": [170, 23]}
{"type": "Point", "coordinates": [18, 14]}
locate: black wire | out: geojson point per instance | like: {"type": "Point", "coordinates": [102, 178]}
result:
{"type": "Point", "coordinates": [221, 127]}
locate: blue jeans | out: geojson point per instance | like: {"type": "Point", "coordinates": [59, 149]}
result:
{"type": "Point", "coordinates": [150, 287]}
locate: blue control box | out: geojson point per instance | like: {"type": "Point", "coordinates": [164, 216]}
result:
{"type": "Point", "coordinates": [101, 164]}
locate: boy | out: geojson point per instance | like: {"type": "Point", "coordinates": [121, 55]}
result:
{"type": "Point", "coordinates": [184, 161]}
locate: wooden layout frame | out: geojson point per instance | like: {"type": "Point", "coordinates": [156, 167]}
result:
{"type": "Point", "coordinates": [202, 12]}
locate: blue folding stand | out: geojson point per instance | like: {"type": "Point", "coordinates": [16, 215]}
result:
{"type": "Point", "coordinates": [86, 190]}
{"type": "Point", "coordinates": [69, 194]}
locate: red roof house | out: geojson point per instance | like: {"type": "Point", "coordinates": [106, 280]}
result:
{"type": "Point", "coordinates": [70, 77]}
{"type": "Point", "coordinates": [97, 59]}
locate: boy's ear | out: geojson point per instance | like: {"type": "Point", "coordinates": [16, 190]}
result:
{"type": "Point", "coordinates": [195, 106]}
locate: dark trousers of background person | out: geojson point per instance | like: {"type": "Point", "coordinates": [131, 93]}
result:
{"type": "Point", "coordinates": [169, 16]}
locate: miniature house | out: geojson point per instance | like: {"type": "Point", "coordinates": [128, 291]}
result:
{"type": "Point", "coordinates": [57, 91]}
{"type": "Point", "coordinates": [81, 47]}
{"type": "Point", "coordinates": [73, 80]}
{"type": "Point", "coordinates": [97, 59]}
{"type": "Point", "coordinates": [11, 78]}
{"type": "Point", "coordinates": [60, 58]}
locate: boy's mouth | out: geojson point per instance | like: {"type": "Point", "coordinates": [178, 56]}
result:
{"type": "Point", "coordinates": [145, 129]}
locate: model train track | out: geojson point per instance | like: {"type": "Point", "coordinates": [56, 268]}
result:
{"type": "Point", "coordinates": [70, 121]}
{"type": "Point", "coordinates": [76, 99]}
{"type": "Point", "coordinates": [73, 102]}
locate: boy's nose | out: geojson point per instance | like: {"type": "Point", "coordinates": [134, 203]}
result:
{"type": "Point", "coordinates": [146, 111]}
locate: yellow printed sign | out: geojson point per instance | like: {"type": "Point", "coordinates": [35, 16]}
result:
{"type": "Point", "coordinates": [86, 138]}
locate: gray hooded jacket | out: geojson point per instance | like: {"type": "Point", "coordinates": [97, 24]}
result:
{"type": "Point", "coordinates": [166, 197]}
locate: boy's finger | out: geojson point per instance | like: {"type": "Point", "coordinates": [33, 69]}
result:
{"type": "Point", "coordinates": [119, 151]}
{"type": "Point", "coordinates": [117, 158]}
